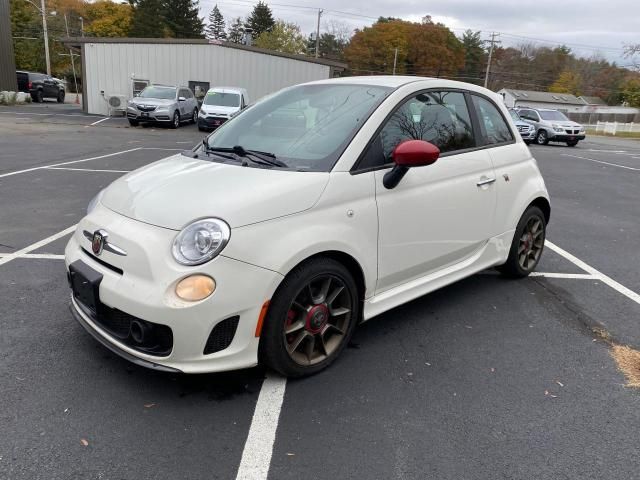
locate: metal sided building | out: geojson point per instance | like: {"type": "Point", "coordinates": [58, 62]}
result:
{"type": "Point", "coordinates": [121, 67]}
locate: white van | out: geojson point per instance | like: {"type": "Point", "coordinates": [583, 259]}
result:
{"type": "Point", "coordinates": [219, 105]}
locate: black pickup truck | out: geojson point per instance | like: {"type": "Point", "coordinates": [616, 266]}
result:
{"type": "Point", "coordinates": [40, 86]}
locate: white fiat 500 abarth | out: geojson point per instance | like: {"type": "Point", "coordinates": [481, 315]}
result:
{"type": "Point", "coordinates": [313, 210]}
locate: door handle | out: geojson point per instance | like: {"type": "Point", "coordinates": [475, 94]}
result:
{"type": "Point", "coordinates": [485, 181]}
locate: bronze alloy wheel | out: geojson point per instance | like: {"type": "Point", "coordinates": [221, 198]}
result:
{"type": "Point", "coordinates": [317, 320]}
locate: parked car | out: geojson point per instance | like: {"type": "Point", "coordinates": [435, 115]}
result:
{"type": "Point", "coordinates": [163, 104]}
{"type": "Point", "coordinates": [40, 86]}
{"type": "Point", "coordinates": [314, 210]}
{"type": "Point", "coordinates": [527, 130]}
{"type": "Point", "coordinates": [219, 105]}
{"type": "Point", "coordinates": [552, 126]}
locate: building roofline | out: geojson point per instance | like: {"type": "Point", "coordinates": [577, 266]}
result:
{"type": "Point", "coordinates": [79, 41]}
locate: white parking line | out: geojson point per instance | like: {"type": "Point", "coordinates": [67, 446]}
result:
{"type": "Point", "coordinates": [87, 170]}
{"type": "Point", "coordinates": [596, 273]}
{"type": "Point", "coordinates": [99, 121]}
{"type": "Point", "coordinates": [45, 256]}
{"type": "Point", "coordinates": [256, 456]}
{"type": "Point", "coordinates": [577, 276]}
{"type": "Point", "coordinates": [69, 163]}
{"type": "Point", "coordinates": [34, 246]}
{"type": "Point", "coordinates": [600, 161]}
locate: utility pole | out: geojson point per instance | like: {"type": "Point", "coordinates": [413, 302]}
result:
{"type": "Point", "coordinates": [493, 42]}
{"type": "Point", "coordinates": [46, 37]}
{"type": "Point", "coordinates": [318, 33]}
{"type": "Point", "coordinates": [81, 27]}
{"type": "Point", "coordinates": [73, 62]}
{"type": "Point", "coordinates": [395, 61]}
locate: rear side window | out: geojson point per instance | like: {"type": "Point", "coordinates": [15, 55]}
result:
{"type": "Point", "coordinates": [493, 125]}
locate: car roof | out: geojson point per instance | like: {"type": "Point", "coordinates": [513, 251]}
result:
{"type": "Point", "coordinates": [538, 109]}
{"type": "Point", "coordinates": [227, 89]}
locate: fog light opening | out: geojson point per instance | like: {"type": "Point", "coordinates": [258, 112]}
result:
{"type": "Point", "coordinates": [195, 287]}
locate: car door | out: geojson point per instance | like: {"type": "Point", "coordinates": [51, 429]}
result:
{"type": "Point", "coordinates": [182, 105]}
{"type": "Point", "coordinates": [438, 214]}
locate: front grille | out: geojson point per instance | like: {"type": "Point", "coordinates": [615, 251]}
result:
{"type": "Point", "coordinates": [102, 262]}
{"type": "Point", "coordinates": [146, 108]}
{"type": "Point", "coordinates": [155, 339]}
{"type": "Point", "coordinates": [222, 335]}
{"type": "Point", "coordinates": [523, 129]}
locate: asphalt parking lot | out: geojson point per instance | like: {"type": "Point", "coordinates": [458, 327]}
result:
{"type": "Point", "coordinates": [487, 378]}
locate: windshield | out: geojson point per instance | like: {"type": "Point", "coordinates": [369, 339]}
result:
{"type": "Point", "coordinates": [307, 126]}
{"type": "Point", "coordinates": [165, 93]}
{"type": "Point", "coordinates": [515, 115]}
{"type": "Point", "coordinates": [552, 115]}
{"type": "Point", "coordinates": [222, 99]}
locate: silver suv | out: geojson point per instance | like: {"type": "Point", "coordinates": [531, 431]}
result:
{"type": "Point", "coordinates": [552, 126]}
{"type": "Point", "coordinates": [163, 104]}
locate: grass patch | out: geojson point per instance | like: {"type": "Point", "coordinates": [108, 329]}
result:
{"type": "Point", "coordinates": [618, 134]}
{"type": "Point", "coordinates": [628, 361]}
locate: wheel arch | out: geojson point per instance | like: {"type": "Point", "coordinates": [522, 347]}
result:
{"type": "Point", "coordinates": [543, 204]}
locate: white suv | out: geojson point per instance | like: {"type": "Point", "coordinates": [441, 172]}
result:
{"type": "Point", "coordinates": [313, 210]}
{"type": "Point", "coordinates": [552, 126]}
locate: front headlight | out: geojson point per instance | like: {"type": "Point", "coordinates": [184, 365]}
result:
{"type": "Point", "coordinates": [94, 201]}
{"type": "Point", "coordinates": [557, 128]}
{"type": "Point", "coordinates": [202, 114]}
{"type": "Point", "coordinates": [201, 241]}
{"type": "Point", "coordinates": [162, 109]}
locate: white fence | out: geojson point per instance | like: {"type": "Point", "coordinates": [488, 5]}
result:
{"type": "Point", "coordinates": [612, 128]}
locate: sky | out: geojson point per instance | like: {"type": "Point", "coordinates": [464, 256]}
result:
{"type": "Point", "coordinates": [588, 27]}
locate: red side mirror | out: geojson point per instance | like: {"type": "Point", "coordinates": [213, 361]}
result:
{"type": "Point", "coordinates": [415, 153]}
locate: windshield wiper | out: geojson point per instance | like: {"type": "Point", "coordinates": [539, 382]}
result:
{"type": "Point", "coordinates": [217, 150]}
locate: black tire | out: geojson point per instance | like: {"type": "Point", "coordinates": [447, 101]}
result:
{"type": "Point", "coordinates": [134, 123]}
{"type": "Point", "coordinates": [194, 116]}
{"type": "Point", "coordinates": [273, 344]}
{"type": "Point", "coordinates": [512, 267]}
{"type": "Point", "coordinates": [572, 143]}
{"type": "Point", "coordinates": [202, 129]}
{"type": "Point", "coordinates": [60, 97]}
{"type": "Point", "coordinates": [175, 122]}
{"type": "Point", "coordinates": [542, 138]}
{"type": "Point", "coordinates": [39, 98]}
{"type": "Point", "coordinates": [528, 142]}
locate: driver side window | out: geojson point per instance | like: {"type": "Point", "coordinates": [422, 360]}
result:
{"type": "Point", "coordinates": [438, 117]}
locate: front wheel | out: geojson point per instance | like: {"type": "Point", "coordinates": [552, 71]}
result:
{"type": "Point", "coordinates": [542, 138]}
{"type": "Point", "coordinates": [194, 116]}
{"type": "Point", "coordinates": [573, 143]}
{"type": "Point", "coordinates": [310, 319]}
{"type": "Point", "coordinates": [60, 97]}
{"type": "Point", "coordinates": [527, 245]}
{"type": "Point", "coordinates": [133, 123]}
{"type": "Point", "coordinates": [175, 122]}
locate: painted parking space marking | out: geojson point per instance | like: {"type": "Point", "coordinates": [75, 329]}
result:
{"type": "Point", "coordinates": [258, 449]}
{"type": "Point", "coordinates": [618, 287]}
{"type": "Point", "coordinates": [40, 256]}
{"type": "Point", "coordinates": [17, 172]}
{"type": "Point", "coordinates": [34, 246]}
{"type": "Point", "coordinates": [600, 161]}
{"type": "Point", "coordinates": [96, 123]}
{"type": "Point", "coordinates": [87, 170]}
{"type": "Point", "coordinates": [576, 276]}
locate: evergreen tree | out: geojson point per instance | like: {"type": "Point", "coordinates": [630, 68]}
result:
{"type": "Point", "coordinates": [216, 28]}
{"type": "Point", "coordinates": [261, 19]}
{"type": "Point", "coordinates": [182, 20]}
{"type": "Point", "coordinates": [148, 19]}
{"type": "Point", "coordinates": [236, 31]}
{"type": "Point", "coordinates": [474, 57]}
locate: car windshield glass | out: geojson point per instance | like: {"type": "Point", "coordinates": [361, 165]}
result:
{"type": "Point", "coordinates": [515, 115]}
{"type": "Point", "coordinates": [165, 93]}
{"type": "Point", "coordinates": [306, 126]}
{"type": "Point", "coordinates": [222, 99]}
{"type": "Point", "coordinates": [553, 115]}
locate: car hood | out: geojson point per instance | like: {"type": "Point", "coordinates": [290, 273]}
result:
{"type": "Point", "coordinates": [173, 192]}
{"type": "Point", "coordinates": [520, 123]}
{"type": "Point", "coordinates": [156, 102]}
{"type": "Point", "coordinates": [217, 109]}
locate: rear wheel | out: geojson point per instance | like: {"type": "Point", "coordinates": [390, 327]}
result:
{"type": "Point", "coordinates": [527, 245]}
{"type": "Point", "coordinates": [38, 97]}
{"type": "Point", "coordinates": [175, 122]}
{"type": "Point", "coordinates": [542, 138]}
{"type": "Point", "coordinates": [311, 318]}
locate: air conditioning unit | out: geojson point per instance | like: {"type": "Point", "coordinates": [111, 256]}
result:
{"type": "Point", "coordinates": [117, 103]}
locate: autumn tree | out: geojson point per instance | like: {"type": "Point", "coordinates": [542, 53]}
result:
{"type": "Point", "coordinates": [282, 37]}
{"type": "Point", "coordinates": [425, 48]}
{"type": "Point", "coordinates": [261, 19]}
{"type": "Point", "coordinates": [568, 82]}
{"type": "Point", "coordinates": [216, 28]}
{"type": "Point", "coordinates": [105, 18]}
{"type": "Point", "coordinates": [631, 92]}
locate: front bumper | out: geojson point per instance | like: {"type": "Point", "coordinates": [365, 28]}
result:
{"type": "Point", "coordinates": [152, 116]}
{"type": "Point", "coordinates": [564, 137]}
{"type": "Point", "coordinates": [145, 289]}
{"type": "Point", "coordinates": [530, 135]}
